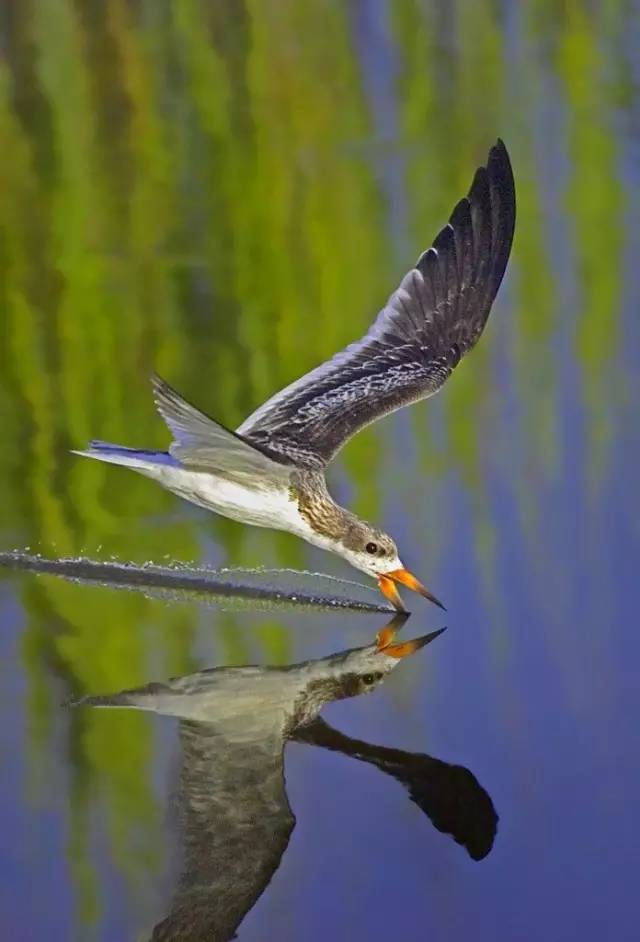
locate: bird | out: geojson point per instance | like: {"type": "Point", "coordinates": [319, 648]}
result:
{"type": "Point", "coordinates": [270, 472]}
{"type": "Point", "coordinates": [235, 817]}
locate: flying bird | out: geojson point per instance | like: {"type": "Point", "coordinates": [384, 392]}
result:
{"type": "Point", "coordinates": [270, 472]}
{"type": "Point", "coordinates": [235, 815]}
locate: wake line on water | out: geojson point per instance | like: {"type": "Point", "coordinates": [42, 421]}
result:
{"type": "Point", "coordinates": [253, 587]}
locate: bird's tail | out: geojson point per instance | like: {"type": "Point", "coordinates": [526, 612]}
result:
{"type": "Point", "coordinates": [122, 699]}
{"type": "Point", "coordinates": [129, 457]}
{"type": "Point", "coordinates": [141, 698]}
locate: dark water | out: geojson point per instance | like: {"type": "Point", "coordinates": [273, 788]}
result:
{"type": "Point", "coordinates": [227, 193]}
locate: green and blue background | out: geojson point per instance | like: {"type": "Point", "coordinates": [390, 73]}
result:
{"type": "Point", "coordinates": [227, 192]}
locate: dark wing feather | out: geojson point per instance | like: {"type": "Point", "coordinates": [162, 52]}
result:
{"type": "Point", "coordinates": [428, 324]}
{"type": "Point", "coordinates": [450, 795]}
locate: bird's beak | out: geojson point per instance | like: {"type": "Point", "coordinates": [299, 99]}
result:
{"type": "Point", "coordinates": [404, 648]}
{"type": "Point", "coordinates": [387, 584]}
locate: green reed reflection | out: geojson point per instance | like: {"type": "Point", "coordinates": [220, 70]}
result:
{"type": "Point", "coordinates": [197, 188]}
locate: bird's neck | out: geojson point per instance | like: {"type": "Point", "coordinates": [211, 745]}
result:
{"type": "Point", "coordinates": [325, 518]}
{"type": "Point", "coordinates": [319, 682]}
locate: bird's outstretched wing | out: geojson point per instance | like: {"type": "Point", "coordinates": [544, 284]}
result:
{"type": "Point", "coordinates": [235, 824]}
{"type": "Point", "coordinates": [428, 324]}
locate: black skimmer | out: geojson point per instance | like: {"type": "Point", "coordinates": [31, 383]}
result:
{"type": "Point", "coordinates": [270, 472]}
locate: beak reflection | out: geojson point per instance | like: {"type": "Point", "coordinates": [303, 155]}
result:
{"type": "Point", "coordinates": [404, 648]}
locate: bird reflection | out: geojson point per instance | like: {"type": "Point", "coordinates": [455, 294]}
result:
{"type": "Point", "coordinates": [234, 813]}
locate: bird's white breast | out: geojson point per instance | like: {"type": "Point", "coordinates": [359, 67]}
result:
{"type": "Point", "coordinates": [260, 504]}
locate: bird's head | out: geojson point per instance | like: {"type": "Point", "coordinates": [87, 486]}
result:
{"type": "Point", "coordinates": [360, 670]}
{"type": "Point", "coordinates": [374, 552]}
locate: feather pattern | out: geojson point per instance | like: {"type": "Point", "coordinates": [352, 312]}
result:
{"type": "Point", "coordinates": [200, 442]}
{"type": "Point", "coordinates": [434, 317]}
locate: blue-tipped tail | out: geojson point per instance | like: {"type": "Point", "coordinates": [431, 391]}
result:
{"type": "Point", "coordinates": [129, 457]}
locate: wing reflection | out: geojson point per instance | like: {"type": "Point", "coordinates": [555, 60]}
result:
{"type": "Point", "coordinates": [235, 822]}
{"type": "Point", "coordinates": [450, 795]}
{"type": "Point", "coordinates": [234, 812]}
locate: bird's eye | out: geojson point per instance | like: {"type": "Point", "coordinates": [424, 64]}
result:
{"type": "Point", "coordinates": [372, 548]}
{"type": "Point", "coordinates": [368, 679]}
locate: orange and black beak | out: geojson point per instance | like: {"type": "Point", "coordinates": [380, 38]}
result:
{"type": "Point", "coordinates": [403, 648]}
{"type": "Point", "coordinates": [387, 584]}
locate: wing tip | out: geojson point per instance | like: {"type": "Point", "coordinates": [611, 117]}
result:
{"type": "Point", "coordinates": [500, 173]}
{"type": "Point", "coordinates": [162, 391]}
{"type": "Point", "coordinates": [493, 194]}
{"type": "Point", "coordinates": [498, 154]}
{"type": "Point", "coordinates": [181, 418]}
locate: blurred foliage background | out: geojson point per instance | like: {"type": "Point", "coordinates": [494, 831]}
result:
{"type": "Point", "coordinates": [227, 192]}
